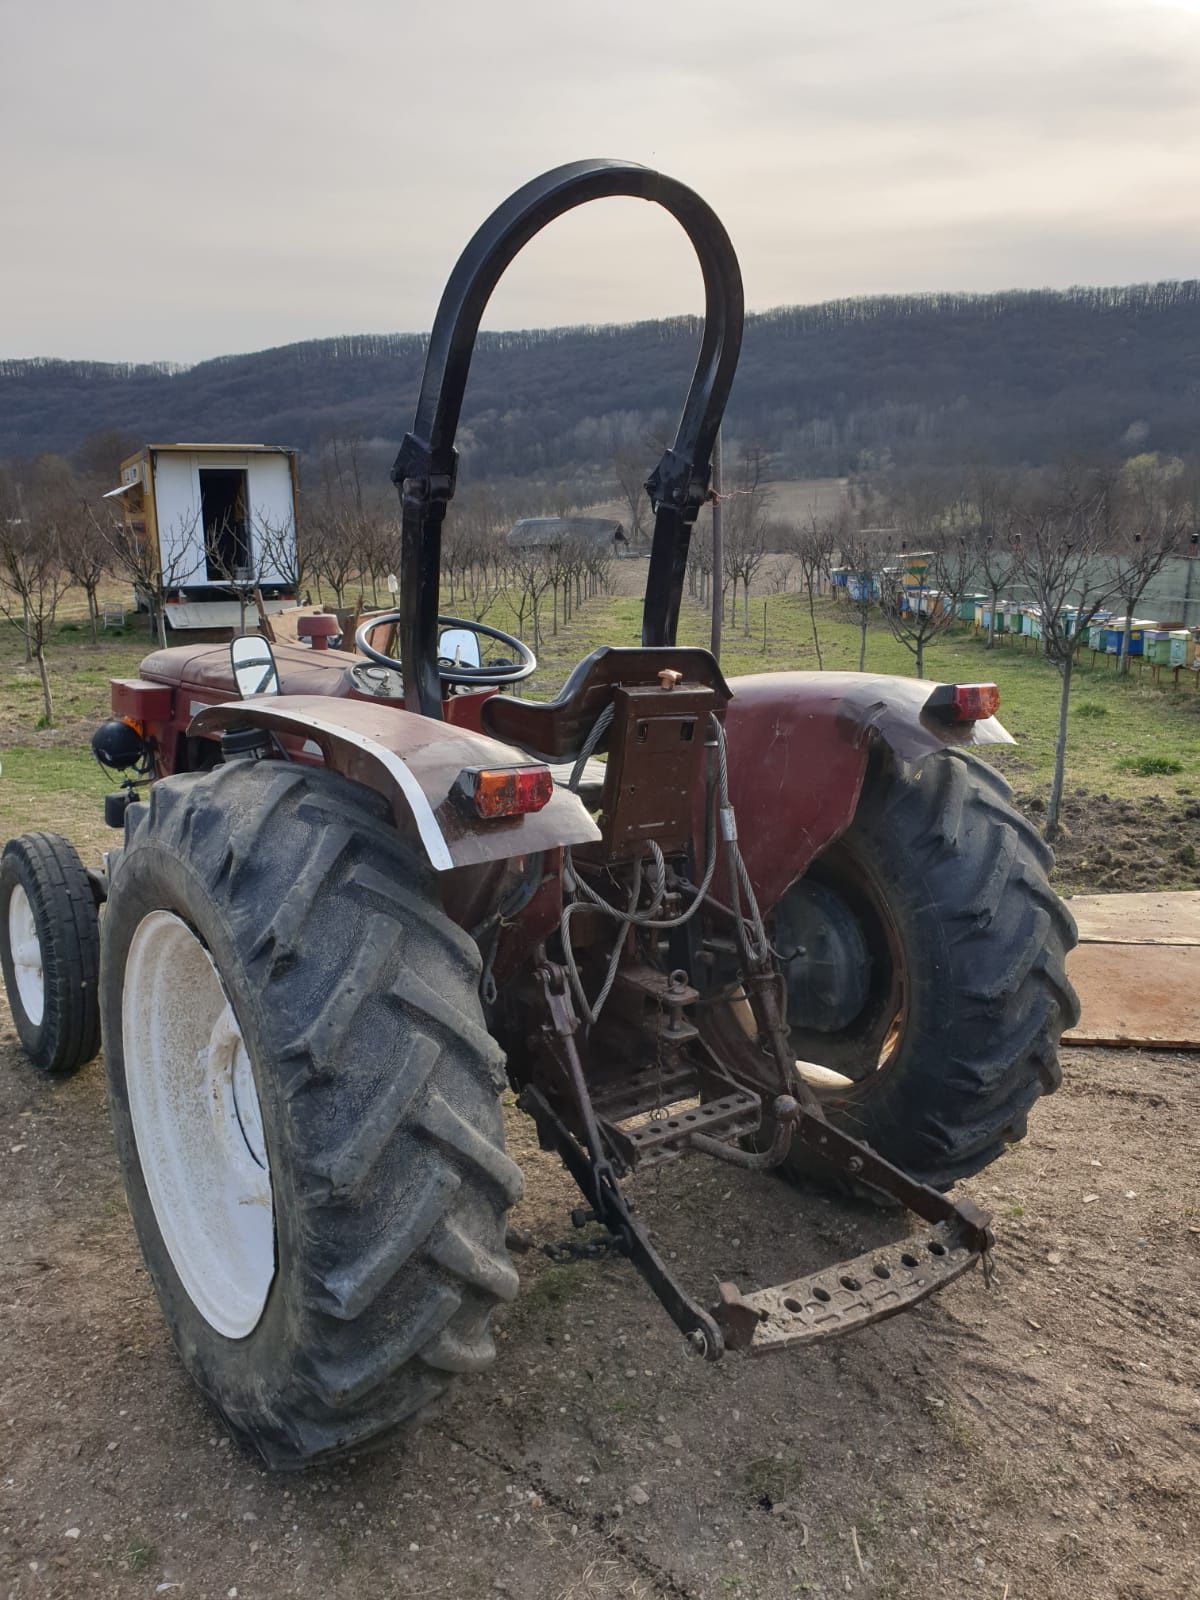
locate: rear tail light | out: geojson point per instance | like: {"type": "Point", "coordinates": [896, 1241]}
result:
{"type": "Point", "coordinates": [963, 702]}
{"type": "Point", "coordinates": [505, 791]}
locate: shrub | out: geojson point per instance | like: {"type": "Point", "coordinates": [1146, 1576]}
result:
{"type": "Point", "coordinates": [1150, 766]}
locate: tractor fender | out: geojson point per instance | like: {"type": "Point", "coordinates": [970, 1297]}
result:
{"type": "Point", "coordinates": [414, 762]}
{"type": "Point", "coordinates": [799, 744]}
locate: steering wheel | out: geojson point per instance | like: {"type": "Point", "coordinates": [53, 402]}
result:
{"type": "Point", "coordinates": [525, 666]}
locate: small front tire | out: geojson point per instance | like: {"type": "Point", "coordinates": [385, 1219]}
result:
{"type": "Point", "coordinates": [50, 951]}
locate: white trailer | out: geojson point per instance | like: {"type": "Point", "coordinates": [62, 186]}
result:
{"type": "Point", "coordinates": [222, 518]}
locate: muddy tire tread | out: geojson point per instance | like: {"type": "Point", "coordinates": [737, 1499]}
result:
{"type": "Point", "coordinates": [392, 1086]}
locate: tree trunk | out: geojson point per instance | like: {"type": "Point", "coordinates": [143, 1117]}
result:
{"type": "Point", "coordinates": [1060, 749]}
{"type": "Point", "coordinates": [812, 616]}
{"type": "Point", "coordinates": [93, 614]}
{"type": "Point", "coordinates": [27, 628]}
{"type": "Point", "coordinates": [991, 640]}
{"type": "Point", "coordinates": [920, 652]}
{"type": "Point", "coordinates": [160, 620]}
{"type": "Point", "coordinates": [47, 703]}
{"type": "Point", "coordinates": [862, 646]}
{"type": "Point", "coordinates": [1123, 658]}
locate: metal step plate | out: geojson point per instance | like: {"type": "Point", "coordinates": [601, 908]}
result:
{"type": "Point", "coordinates": [845, 1297]}
{"type": "Point", "coordinates": [645, 1088]}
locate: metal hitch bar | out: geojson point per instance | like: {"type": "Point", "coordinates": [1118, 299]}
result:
{"type": "Point", "coordinates": [837, 1299]}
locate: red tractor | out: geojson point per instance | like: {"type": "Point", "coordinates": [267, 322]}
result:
{"type": "Point", "coordinates": [786, 922]}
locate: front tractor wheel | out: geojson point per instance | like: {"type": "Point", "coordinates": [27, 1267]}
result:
{"type": "Point", "coordinates": [306, 1105]}
{"type": "Point", "coordinates": [925, 955]}
{"type": "Point", "coordinates": [50, 951]}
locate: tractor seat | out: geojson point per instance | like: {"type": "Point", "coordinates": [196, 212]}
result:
{"type": "Point", "coordinates": [591, 780]}
{"type": "Point", "coordinates": [555, 730]}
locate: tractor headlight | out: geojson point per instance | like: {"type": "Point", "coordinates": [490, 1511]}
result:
{"type": "Point", "coordinates": [121, 746]}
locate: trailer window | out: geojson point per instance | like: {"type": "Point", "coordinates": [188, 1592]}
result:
{"type": "Point", "coordinates": [223, 505]}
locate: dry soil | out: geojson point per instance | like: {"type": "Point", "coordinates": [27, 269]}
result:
{"type": "Point", "coordinates": [1041, 1439]}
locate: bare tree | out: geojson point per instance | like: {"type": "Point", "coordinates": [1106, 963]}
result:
{"type": "Point", "coordinates": [531, 573]}
{"type": "Point", "coordinates": [60, 497]}
{"type": "Point", "coordinates": [282, 553]}
{"type": "Point", "coordinates": [700, 561]}
{"type": "Point", "coordinates": [745, 530]}
{"type": "Point", "coordinates": [919, 614]}
{"type": "Point", "coordinates": [863, 554]}
{"type": "Point", "coordinates": [33, 577]}
{"type": "Point", "coordinates": [1150, 532]}
{"type": "Point", "coordinates": [87, 557]}
{"type": "Point", "coordinates": [984, 495]}
{"type": "Point", "coordinates": [629, 468]}
{"type": "Point", "coordinates": [814, 553]}
{"type": "Point", "coordinates": [154, 565]}
{"type": "Point", "coordinates": [1059, 534]}
{"type": "Point", "coordinates": [234, 561]}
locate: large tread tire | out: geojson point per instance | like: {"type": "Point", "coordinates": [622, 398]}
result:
{"type": "Point", "coordinates": [380, 1094]}
{"type": "Point", "coordinates": [55, 882]}
{"type": "Point", "coordinates": [984, 941]}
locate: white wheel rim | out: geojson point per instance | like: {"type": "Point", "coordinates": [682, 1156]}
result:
{"type": "Point", "coordinates": [26, 950]}
{"type": "Point", "coordinates": [198, 1124]}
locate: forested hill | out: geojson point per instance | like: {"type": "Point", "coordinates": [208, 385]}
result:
{"type": "Point", "coordinates": [1022, 376]}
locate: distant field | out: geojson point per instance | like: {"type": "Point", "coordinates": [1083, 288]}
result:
{"type": "Point", "coordinates": [792, 500]}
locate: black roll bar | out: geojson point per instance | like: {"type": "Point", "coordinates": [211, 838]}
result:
{"type": "Point", "coordinates": [426, 467]}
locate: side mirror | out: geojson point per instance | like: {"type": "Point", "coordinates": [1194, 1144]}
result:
{"type": "Point", "coordinates": [254, 669]}
{"type": "Point", "coordinates": [459, 646]}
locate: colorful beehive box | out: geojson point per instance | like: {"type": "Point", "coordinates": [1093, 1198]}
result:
{"type": "Point", "coordinates": [969, 607]}
{"type": "Point", "coordinates": [861, 586]}
{"type": "Point", "coordinates": [1183, 648]}
{"type": "Point", "coordinates": [1115, 631]}
{"type": "Point", "coordinates": [1158, 647]}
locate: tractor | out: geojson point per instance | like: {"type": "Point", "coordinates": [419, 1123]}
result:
{"type": "Point", "coordinates": [789, 922]}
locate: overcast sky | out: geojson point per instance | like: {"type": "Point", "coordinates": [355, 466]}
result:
{"type": "Point", "coordinates": [181, 181]}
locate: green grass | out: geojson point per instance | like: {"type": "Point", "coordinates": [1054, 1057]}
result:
{"type": "Point", "coordinates": [1128, 720]}
{"type": "Point", "coordinates": [1150, 766]}
{"type": "Point", "coordinates": [55, 787]}
{"type": "Point", "coordinates": [1127, 735]}
{"type": "Point", "coordinates": [769, 1477]}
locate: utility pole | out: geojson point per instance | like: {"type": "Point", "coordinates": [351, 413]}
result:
{"type": "Point", "coordinates": [718, 586]}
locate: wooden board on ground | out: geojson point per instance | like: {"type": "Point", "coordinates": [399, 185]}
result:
{"type": "Point", "coordinates": [1137, 994]}
{"type": "Point", "coordinates": [1138, 918]}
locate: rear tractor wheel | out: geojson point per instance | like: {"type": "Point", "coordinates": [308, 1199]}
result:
{"type": "Point", "coordinates": [927, 986]}
{"type": "Point", "coordinates": [306, 1104]}
{"type": "Point", "coordinates": [50, 951]}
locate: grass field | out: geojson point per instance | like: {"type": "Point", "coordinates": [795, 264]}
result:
{"type": "Point", "coordinates": [1115, 725]}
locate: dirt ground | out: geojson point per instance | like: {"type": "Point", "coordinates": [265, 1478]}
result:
{"type": "Point", "coordinates": [1038, 1440]}
{"type": "Point", "coordinates": [1120, 845]}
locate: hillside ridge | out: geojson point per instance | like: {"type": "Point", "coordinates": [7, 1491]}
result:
{"type": "Point", "coordinates": [1018, 375]}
